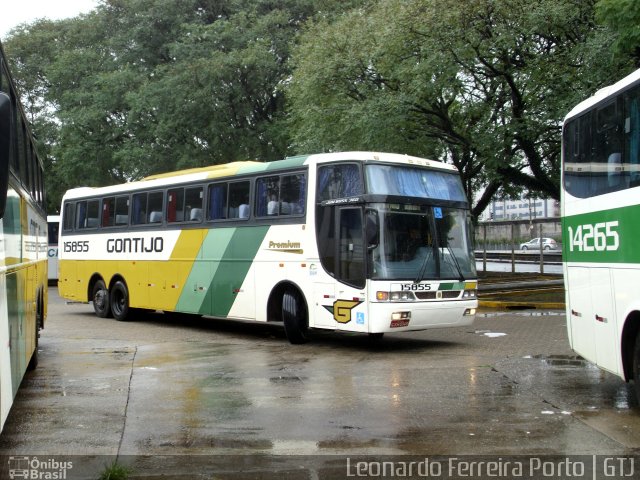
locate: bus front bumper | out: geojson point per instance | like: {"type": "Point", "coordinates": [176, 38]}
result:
{"type": "Point", "coordinates": [399, 317]}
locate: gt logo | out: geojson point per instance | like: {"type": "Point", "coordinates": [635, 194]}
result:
{"type": "Point", "coordinates": [341, 310]}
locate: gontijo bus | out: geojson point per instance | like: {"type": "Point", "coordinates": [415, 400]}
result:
{"type": "Point", "coordinates": [23, 244]}
{"type": "Point", "coordinates": [356, 241]}
{"type": "Point", "coordinates": [601, 227]}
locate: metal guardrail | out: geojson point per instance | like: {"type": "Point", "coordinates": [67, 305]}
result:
{"type": "Point", "coordinates": [549, 257]}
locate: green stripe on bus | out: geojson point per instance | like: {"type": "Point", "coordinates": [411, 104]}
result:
{"type": "Point", "coordinates": [212, 248]}
{"type": "Point", "coordinates": [219, 270]}
{"type": "Point", "coordinates": [232, 270]}
{"type": "Point", "coordinates": [601, 237]}
{"type": "Point", "coordinates": [292, 162]}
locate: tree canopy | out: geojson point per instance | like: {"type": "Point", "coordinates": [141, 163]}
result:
{"type": "Point", "coordinates": [144, 86]}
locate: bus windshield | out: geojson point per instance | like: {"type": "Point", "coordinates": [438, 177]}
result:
{"type": "Point", "coordinates": [414, 182]}
{"type": "Point", "coordinates": [422, 242]}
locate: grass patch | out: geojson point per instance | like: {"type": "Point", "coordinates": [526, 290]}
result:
{"type": "Point", "coordinates": [115, 471]}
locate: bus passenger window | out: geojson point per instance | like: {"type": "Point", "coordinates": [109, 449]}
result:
{"type": "Point", "coordinates": [193, 204]}
{"type": "Point", "coordinates": [122, 211]}
{"type": "Point", "coordinates": [139, 214]}
{"type": "Point", "coordinates": [267, 196]}
{"type": "Point", "coordinates": [175, 205]}
{"type": "Point", "coordinates": [217, 202]}
{"type": "Point", "coordinates": [155, 207]}
{"type": "Point", "coordinates": [88, 214]}
{"type": "Point", "coordinates": [293, 194]}
{"type": "Point", "coordinates": [67, 219]}
{"type": "Point", "coordinates": [239, 199]}
{"type": "Point", "coordinates": [108, 212]}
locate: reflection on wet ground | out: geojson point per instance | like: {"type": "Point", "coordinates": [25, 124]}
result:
{"type": "Point", "coordinates": [506, 385]}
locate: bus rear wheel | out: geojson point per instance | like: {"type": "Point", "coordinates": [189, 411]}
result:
{"type": "Point", "coordinates": [294, 317]}
{"type": "Point", "coordinates": [119, 299]}
{"type": "Point", "coordinates": [100, 298]}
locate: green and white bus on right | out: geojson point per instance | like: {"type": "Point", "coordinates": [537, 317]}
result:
{"type": "Point", "coordinates": [601, 228]}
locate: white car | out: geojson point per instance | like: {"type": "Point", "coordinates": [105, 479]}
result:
{"type": "Point", "coordinates": [534, 244]}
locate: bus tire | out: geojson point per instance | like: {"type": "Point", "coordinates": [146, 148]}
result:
{"type": "Point", "coordinates": [636, 366]}
{"type": "Point", "coordinates": [119, 299]}
{"type": "Point", "coordinates": [101, 300]}
{"type": "Point", "coordinates": [33, 361]}
{"type": "Point", "coordinates": [294, 317]}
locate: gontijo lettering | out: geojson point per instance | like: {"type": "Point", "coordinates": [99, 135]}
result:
{"type": "Point", "coordinates": [135, 245]}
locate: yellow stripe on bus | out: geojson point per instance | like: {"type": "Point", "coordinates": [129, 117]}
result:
{"type": "Point", "coordinates": [214, 171]}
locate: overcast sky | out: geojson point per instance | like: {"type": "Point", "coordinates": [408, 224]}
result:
{"type": "Point", "coordinates": [15, 12]}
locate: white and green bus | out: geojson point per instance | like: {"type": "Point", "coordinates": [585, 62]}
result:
{"type": "Point", "coordinates": [23, 244]}
{"type": "Point", "coordinates": [601, 227]}
{"type": "Point", "coordinates": [356, 241]}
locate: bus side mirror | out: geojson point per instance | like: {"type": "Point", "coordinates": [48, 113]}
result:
{"type": "Point", "coordinates": [372, 230]}
{"type": "Point", "coordinates": [5, 131]}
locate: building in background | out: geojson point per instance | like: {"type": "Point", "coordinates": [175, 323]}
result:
{"type": "Point", "coordinates": [521, 209]}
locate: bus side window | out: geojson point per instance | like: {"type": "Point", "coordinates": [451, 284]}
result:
{"type": "Point", "coordinates": [293, 191]}
{"type": "Point", "coordinates": [267, 196]}
{"type": "Point", "coordinates": [81, 214]}
{"type": "Point", "coordinates": [67, 219]}
{"type": "Point", "coordinates": [217, 208]}
{"type": "Point", "coordinates": [632, 134]}
{"type": "Point", "coordinates": [122, 211]}
{"type": "Point", "coordinates": [193, 204]}
{"type": "Point", "coordinates": [155, 207]}
{"type": "Point", "coordinates": [339, 181]}
{"type": "Point", "coordinates": [239, 199]}
{"type": "Point", "coordinates": [175, 205]}
{"type": "Point", "coordinates": [87, 214]}
{"type": "Point", "coordinates": [139, 215]}
{"type": "Point", "coordinates": [108, 212]}
{"type": "Point", "coordinates": [93, 214]}
{"type": "Point", "coordinates": [5, 134]}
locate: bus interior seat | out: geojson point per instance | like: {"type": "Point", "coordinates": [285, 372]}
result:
{"type": "Point", "coordinates": [155, 217]}
{"type": "Point", "coordinates": [91, 222]}
{"type": "Point", "coordinates": [243, 211]}
{"type": "Point", "coordinates": [195, 215]}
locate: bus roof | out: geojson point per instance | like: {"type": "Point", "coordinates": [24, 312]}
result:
{"type": "Point", "coordinates": [604, 93]}
{"type": "Point", "coordinates": [252, 167]}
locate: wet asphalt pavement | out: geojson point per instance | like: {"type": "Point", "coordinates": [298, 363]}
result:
{"type": "Point", "coordinates": [178, 386]}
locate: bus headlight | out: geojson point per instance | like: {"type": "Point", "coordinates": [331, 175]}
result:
{"type": "Point", "coordinates": [470, 290]}
{"type": "Point", "coordinates": [395, 296]}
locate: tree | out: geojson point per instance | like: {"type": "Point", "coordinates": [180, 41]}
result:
{"type": "Point", "coordinates": [623, 18]}
{"type": "Point", "coordinates": [482, 84]}
{"type": "Point", "coordinates": [138, 87]}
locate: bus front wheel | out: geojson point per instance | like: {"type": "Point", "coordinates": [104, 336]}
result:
{"type": "Point", "coordinates": [294, 317]}
{"type": "Point", "coordinates": [119, 299]}
{"type": "Point", "coordinates": [100, 298]}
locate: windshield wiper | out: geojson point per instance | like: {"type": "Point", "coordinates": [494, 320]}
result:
{"type": "Point", "coordinates": [423, 268]}
{"type": "Point", "coordinates": [456, 264]}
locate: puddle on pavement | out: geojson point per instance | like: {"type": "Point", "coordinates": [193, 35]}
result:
{"type": "Point", "coordinates": [282, 380]}
{"type": "Point", "coordinates": [561, 360]}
